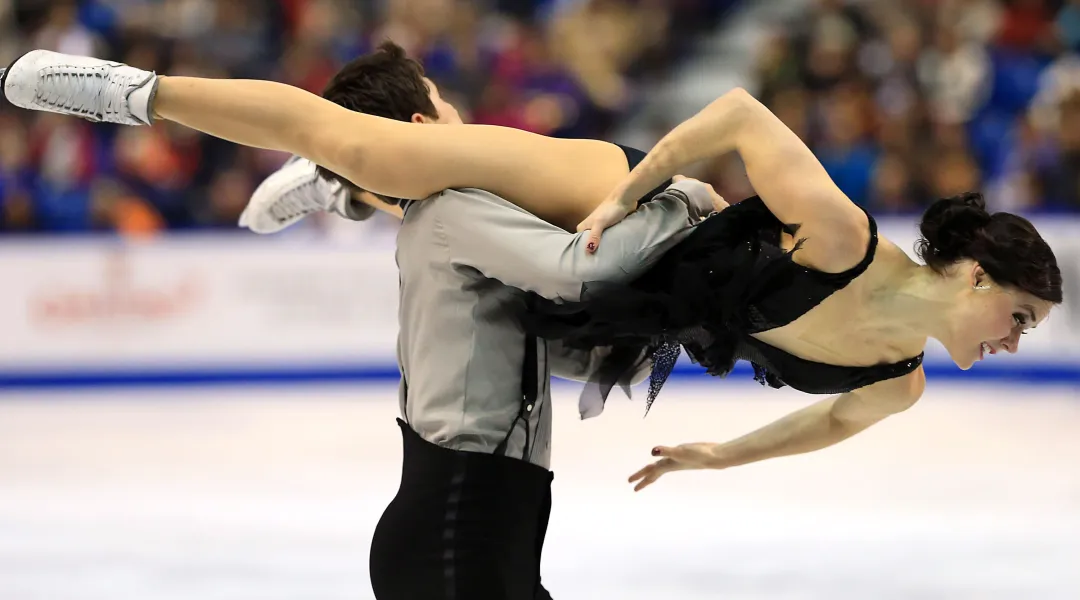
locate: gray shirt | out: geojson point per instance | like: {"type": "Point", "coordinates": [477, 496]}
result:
{"type": "Point", "coordinates": [465, 257]}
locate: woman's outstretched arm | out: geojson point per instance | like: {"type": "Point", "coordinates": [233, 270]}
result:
{"type": "Point", "coordinates": [820, 425]}
{"type": "Point", "coordinates": [559, 180]}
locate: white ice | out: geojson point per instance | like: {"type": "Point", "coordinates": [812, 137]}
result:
{"type": "Point", "coordinates": [272, 493]}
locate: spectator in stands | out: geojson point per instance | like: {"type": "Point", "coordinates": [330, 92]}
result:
{"type": "Point", "coordinates": [951, 84]}
{"type": "Point", "coordinates": [881, 90]}
{"type": "Point", "coordinates": [552, 66]}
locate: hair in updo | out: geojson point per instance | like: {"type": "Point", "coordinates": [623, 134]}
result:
{"type": "Point", "coordinates": [1005, 245]}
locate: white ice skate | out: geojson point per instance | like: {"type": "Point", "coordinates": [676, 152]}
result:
{"type": "Point", "coordinates": [80, 86]}
{"type": "Point", "coordinates": [293, 192]}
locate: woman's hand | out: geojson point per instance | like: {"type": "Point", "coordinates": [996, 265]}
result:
{"type": "Point", "coordinates": [684, 457]}
{"type": "Point", "coordinates": [613, 209]}
{"type": "Point", "coordinates": [622, 202]}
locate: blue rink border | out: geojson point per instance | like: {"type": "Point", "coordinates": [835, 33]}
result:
{"type": "Point", "coordinates": [307, 374]}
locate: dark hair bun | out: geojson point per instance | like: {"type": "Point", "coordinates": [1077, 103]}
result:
{"type": "Point", "coordinates": [950, 228]}
{"type": "Point", "coordinates": [1006, 246]}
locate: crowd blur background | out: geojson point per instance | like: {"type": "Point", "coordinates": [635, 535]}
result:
{"type": "Point", "coordinates": [903, 100]}
{"type": "Point", "coordinates": [233, 434]}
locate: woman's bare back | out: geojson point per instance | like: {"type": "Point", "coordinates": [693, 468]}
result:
{"type": "Point", "coordinates": [848, 328]}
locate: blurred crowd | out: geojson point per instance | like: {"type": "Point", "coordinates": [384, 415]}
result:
{"type": "Point", "coordinates": [557, 67]}
{"type": "Point", "coordinates": [902, 100]}
{"type": "Point", "coordinates": [907, 101]}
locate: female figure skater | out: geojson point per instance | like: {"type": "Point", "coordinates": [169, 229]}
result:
{"type": "Point", "coordinates": [795, 280]}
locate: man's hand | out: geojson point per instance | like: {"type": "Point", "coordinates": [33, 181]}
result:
{"type": "Point", "coordinates": [701, 205]}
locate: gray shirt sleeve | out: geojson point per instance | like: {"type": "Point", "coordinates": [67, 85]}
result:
{"type": "Point", "coordinates": [515, 247]}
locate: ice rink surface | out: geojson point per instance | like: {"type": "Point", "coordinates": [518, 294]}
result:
{"type": "Point", "coordinates": [272, 494]}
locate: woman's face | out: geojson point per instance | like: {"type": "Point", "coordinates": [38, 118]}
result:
{"type": "Point", "coordinates": [988, 318]}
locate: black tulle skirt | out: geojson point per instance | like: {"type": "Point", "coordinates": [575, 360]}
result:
{"type": "Point", "coordinates": [698, 297]}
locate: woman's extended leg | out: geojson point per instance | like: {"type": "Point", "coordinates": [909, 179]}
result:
{"type": "Point", "coordinates": [559, 180]}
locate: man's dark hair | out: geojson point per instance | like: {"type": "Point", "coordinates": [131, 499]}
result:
{"type": "Point", "coordinates": [385, 83]}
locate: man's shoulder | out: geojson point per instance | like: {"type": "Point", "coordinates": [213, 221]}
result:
{"type": "Point", "coordinates": [448, 201]}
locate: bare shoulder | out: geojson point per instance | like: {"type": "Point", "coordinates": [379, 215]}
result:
{"type": "Point", "coordinates": [835, 241]}
{"type": "Point", "coordinates": [893, 254]}
{"type": "Point", "coordinates": [890, 263]}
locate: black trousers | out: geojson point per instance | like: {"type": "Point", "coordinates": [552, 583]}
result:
{"type": "Point", "coordinates": [463, 526]}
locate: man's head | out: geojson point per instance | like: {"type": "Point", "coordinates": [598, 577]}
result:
{"type": "Point", "coordinates": [386, 83]}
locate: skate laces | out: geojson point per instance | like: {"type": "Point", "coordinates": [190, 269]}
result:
{"type": "Point", "coordinates": [298, 202]}
{"type": "Point", "coordinates": [89, 92]}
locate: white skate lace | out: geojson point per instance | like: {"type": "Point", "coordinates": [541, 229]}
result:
{"type": "Point", "coordinates": [89, 92]}
{"type": "Point", "coordinates": [298, 202]}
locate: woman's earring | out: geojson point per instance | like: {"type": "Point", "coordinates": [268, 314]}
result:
{"type": "Point", "coordinates": [982, 287]}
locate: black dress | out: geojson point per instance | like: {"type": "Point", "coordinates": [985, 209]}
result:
{"type": "Point", "coordinates": [727, 280]}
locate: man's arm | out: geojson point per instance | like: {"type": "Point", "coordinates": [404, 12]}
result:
{"type": "Point", "coordinates": [510, 245]}
{"type": "Point", "coordinates": [580, 365]}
